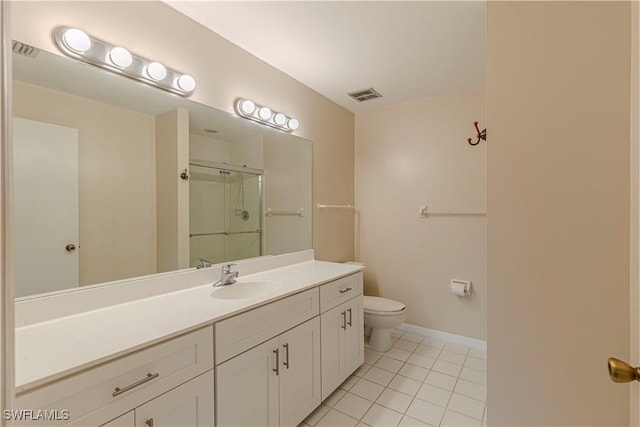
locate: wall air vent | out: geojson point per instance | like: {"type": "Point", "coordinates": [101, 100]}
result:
{"type": "Point", "coordinates": [24, 49]}
{"type": "Point", "coordinates": [365, 94]}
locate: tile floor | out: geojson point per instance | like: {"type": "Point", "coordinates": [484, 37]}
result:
{"type": "Point", "coordinates": [421, 381]}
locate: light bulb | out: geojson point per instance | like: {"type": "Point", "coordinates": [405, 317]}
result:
{"type": "Point", "coordinates": [293, 124]}
{"type": "Point", "coordinates": [156, 71]}
{"type": "Point", "coordinates": [77, 40]}
{"type": "Point", "coordinates": [186, 83]}
{"type": "Point", "coordinates": [247, 107]}
{"type": "Point", "coordinates": [264, 113]}
{"type": "Point", "coordinates": [120, 57]}
{"type": "Point", "coordinates": [280, 119]}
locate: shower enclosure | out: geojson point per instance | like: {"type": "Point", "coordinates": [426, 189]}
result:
{"type": "Point", "coordinates": [225, 206]}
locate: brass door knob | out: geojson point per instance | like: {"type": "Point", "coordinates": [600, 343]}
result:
{"type": "Point", "coordinates": [622, 372]}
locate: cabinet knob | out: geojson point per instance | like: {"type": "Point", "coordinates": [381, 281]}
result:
{"type": "Point", "coordinates": [149, 422]}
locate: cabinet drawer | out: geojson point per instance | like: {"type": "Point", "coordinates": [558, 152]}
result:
{"type": "Point", "coordinates": [103, 393]}
{"type": "Point", "coordinates": [246, 330]}
{"type": "Point", "coordinates": [339, 291]}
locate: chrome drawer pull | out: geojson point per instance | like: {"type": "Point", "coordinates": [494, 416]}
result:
{"type": "Point", "coordinates": [277, 368]}
{"type": "Point", "coordinates": [345, 290]}
{"type": "Point", "coordinates": [119, 391]}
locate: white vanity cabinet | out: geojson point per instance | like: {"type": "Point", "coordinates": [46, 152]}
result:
{"type": "Point", "coordinates": [146, 383]}
{"type": "Point", "coordinates": [276, 382]}
{"type": "Point", "coordinates": [187, 405]}
{"type": "Point", "coordinates": [342, 325]}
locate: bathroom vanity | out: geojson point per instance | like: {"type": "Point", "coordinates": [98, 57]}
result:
{"type": "Point", "coordinates": [271, 355]}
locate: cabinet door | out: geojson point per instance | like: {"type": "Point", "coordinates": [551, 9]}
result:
{"type": "Point", "coordinates": [332, 328]}
{"type": "Point", "coordinates": [354, 335]}
{"type": "Point", "coordinates": [299, 372]}
{"type": "Point", "coordinates": [190, 405]}
{"type": "Point", "coordinates": [248, 388]}
{"type": "Point", "coordinates": [126, 420]}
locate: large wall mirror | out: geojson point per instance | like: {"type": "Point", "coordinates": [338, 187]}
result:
{"type": "Point", "coordinates": [98, 191]}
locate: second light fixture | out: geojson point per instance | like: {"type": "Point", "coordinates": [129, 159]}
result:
{"type": "Point", "coordinates": [261, 114]}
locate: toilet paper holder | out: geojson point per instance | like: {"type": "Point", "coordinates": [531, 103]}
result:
{"type": "Point", "coordinates": [460, 287]}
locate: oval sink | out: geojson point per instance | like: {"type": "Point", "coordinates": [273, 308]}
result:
{"type": "Point", "coordinates": [242, 290]}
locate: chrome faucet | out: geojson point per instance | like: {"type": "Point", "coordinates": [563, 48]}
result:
{"type": "Point", "coordinates": [227, 277]}
{"type": "Point", "coordinates": [204, 263]}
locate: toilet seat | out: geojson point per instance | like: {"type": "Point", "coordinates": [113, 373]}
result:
{"type": "Point", "coordinates": [382, 306]}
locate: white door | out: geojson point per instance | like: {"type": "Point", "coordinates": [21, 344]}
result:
{"type": "Point", "coordinates": [354, 334]}
{"type": "Point", "coordinates": [190, 405]}
{"type": "Point", "coordinates": [332, 324]}
{"type": "Point", "coordinates": [558, 230]}
{"type": "Point", "coordinates": [248, 388]}
{"type": "Point", "coordinates": [45, 207]}
{"type": "Point", "coordinates": [299, 372]}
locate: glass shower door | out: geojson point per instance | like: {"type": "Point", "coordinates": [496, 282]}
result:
{"type": "Point", "coordinates": [224, 215]}
{"type": "Point", "coordinates": [243, 217]}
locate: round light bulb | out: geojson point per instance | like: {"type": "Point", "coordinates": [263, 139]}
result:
{"type": "Point", "coordinates": [280, 119]}
{"type": "Point", "coordinates": [264, 113]}
{"type": "Point", "coordinates": [156, 71]}
{"type": "Point", "coordinates": [293, 124]}
{"type": "Point", "coordinates": [186, 83]}
{"type": "Point", "coordinates": [77, 40]}
{"type": "Point", "coordinates": [247, 106]}
{"type": "Point", "coordinates": [120, 57]}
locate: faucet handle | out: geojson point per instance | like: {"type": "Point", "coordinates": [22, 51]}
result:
{"type": "Point", "coordinates": [227, 268]}
{"type": "Point", "coordinates": [204, 263]}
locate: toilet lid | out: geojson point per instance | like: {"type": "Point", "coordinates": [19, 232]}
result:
{"type": "Point", "coordinates": [382, 304]}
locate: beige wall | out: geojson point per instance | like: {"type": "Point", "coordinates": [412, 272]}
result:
{"type": "Point", "coordinates": [172, 192]}
{"type": "Point", "coordinates": [417, 154]}
{"type": "Point", "coordinates": [223, 72]}
{"type": "Point", "coordinates": [116, 149]}
{"type": "Point", "coordinates": [558, 102]}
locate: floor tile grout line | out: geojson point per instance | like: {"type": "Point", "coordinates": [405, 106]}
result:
{"type": "Point", "coordinates": [467, 355]}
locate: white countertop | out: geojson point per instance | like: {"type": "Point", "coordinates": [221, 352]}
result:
{"type": "Point", "coordinates": [53, 349]}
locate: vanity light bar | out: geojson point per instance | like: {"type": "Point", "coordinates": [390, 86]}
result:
{"type": "Point", "coordinates": [261, 114]}
{"type": "Point", "coordinates": [78, 44]}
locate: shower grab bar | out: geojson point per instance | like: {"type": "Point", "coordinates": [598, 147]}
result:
{"type": "Point", "coordinates": [225, 233]}
{"type": "Point", "coordinates": [321, 206]}
{"type": "Point", "coordinates": [272, 212]}
{"type": "Point", "coordinates": [425, 214]}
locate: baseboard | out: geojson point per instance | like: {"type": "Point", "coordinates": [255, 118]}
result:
{"type": "Point", "coordinates": [457, 339]}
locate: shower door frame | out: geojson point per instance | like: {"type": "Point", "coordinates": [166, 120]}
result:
{"type": "Point", "coordinates": [239, 169]}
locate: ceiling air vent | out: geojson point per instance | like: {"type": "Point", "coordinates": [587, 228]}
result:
{"type": "Point", "coordinates": [25, 50]}
{"type": "Point", "coordinates": [365, 94]}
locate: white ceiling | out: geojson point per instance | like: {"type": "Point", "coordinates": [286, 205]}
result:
{"type": "Point", "coordinates": [405, 50]}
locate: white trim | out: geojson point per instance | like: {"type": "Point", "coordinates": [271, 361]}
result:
{"type": "Point", "coordinates": [445, 336]}
{"type": "Point", "coordinates": [6, 283]}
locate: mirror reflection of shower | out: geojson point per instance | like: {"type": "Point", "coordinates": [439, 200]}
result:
{"type": "Point", "coordinates": [224, 216]}
{"type": "Point", "coordinates": [239, 209]}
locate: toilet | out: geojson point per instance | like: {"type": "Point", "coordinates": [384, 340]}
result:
{"type": "Point", "coordinates": [381, 315]}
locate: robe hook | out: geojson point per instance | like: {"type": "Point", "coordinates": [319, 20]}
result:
{"type": "Point", "coordinates": [482, 135]}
